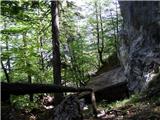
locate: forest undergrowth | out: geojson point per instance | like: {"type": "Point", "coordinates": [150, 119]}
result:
{"type": "Point", "coordinates": [134, 108]}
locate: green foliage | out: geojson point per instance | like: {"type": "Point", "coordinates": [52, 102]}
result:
{"type": "Point", "coordinates": [27, 48]}
{"type": "Point", "coordinates": [15, 30]}
{"type": "Point", "coordinates": [20, 38]}
{"type": "Point", "coordinates": [20, 102]}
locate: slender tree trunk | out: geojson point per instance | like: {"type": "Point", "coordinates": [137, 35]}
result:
{"type": "Point", "coordinates": [73, 67]}
{"type": "Point", "coordinates": [115, 35]}
{"type": "Point", "coordinates": [8, 59]}
{"type": "Point", "coordinates": [117, 19]}
{"type": "Point", "coordinates": [28, 65]}
{"type": "Point", "coordinates": [98, 36]}
{"type": "Point", "coordinates": [5, 72]}
{"type": "Point", "coordinates": [102, 37]}
{"type": "Point", "coordinates": [42, 60]}
{"type": "Point", "coordinates": [7, 69]}
{"type": "Point", "coordinates": [56, 50]}
{"type": "Point", "coordinates": [117, 25]}
{"type": "Point", "coordinates": [30, 82]}
{"type": "Point", "coordinates": [94, 106]}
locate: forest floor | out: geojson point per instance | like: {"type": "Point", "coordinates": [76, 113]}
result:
{"type": "Point", "coordinates": [127, 109]}
{"type": "Point", "coordinates": [133, 108]}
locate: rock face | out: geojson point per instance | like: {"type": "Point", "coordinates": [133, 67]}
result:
{"type": "Point", "coordinates": [107, 79]}
{"type": "Point", "coordinates": [139, 43]}
{"type": "Point", "coordinates": [108, 86]}
{"type": "Point", "coordinates": [111, 63]}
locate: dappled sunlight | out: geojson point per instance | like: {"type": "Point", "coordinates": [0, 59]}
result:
{"type": "Point", "coordinates": [80, 59]}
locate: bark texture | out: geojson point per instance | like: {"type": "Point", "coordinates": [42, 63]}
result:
{"type": "Point", "coordinates": [68, 109]}
{"type": "Point", "coordinates": [56, 50]}
{"type": "Point", "coordinates": [139, 50]}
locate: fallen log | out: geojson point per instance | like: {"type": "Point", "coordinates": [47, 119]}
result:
{"type": "Point", "coordinates": [22, 88]}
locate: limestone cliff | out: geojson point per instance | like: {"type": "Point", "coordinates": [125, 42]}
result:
{"type": "Point", "coordinates": [139, 43]}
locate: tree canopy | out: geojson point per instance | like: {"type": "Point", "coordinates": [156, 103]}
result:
{"type": "Point", "coordinates": [28, 46]}
{"type": "Point", "coordinates": [27, 43]}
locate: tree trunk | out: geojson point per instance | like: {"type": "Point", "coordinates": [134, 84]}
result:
{"type": "Point", "coordinates": [5, 72]}
{"type": "Point", "coordinates": [30, 82]}
{"type": "Point", "coordinates": [68, 109]}
{"type": "Point", "coordinates": [7, 69]}
{"type": "Point", "coordinates": [42, 59]}
{"type": "Point", "coordinates": [27, 64]}
{"type": "Point", "coordinates": [102, 37]}
{"type": "Point", "coordinates": [114, 34]}
{"type": "Point", "coordinates": [56, 50]}
{"type": "Point", "coordinates": [99, 47]}
{"type": "Point", "coordinates": [8, 59]}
